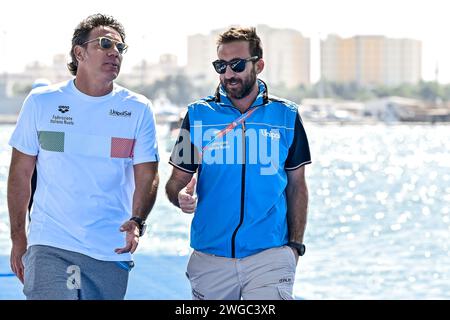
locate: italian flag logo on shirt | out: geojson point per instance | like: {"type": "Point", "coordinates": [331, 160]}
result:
{"type": "Point", "coordinates": [90, 145]}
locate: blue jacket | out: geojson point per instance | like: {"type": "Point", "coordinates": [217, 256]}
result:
{"type": "Point", "coordinates": [242, 178]}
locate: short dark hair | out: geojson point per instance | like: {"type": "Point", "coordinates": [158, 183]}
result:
{"type": "Point", "coordinates": [82, 31]}
{"type": "Point", "coordinates": [242, 34]}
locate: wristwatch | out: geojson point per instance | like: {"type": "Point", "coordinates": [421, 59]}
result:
{"type": "Point", "coordinates": [300, 247]}
{"type": "Point", "coordinates": [141, 224]}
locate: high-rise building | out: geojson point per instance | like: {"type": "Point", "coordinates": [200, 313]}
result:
{"type": "Point", "coordinates": [370, 60]}
{"type": "Point", "coordinates": [287, 56]}
{"type": "Point", "coordinates": [201, 52]}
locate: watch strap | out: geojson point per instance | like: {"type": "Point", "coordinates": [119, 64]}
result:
{"type": "Point", "coordinates": [141, 224]}
{"type": "Point", "coordinates": [300, 247]}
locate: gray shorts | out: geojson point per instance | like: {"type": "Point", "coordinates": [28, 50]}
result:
{"type": "Point", "coordinates": [268, 275]}
{"type": "Point", "coordinates": [56, 274]}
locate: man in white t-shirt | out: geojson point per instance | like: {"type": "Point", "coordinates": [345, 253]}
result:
{"type": "Point", "coordinates": [95, 149]}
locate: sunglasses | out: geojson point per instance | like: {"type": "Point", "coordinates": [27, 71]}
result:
{"type": "Point", "coordinates": [107, 43]}
{"type": "Point", "coordinates": [237, 65]}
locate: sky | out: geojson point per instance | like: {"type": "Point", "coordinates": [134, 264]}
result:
{"type": "Point", "coordinates": [35, 30]}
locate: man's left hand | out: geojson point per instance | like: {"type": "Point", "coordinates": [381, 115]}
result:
{"type": "Point", "coordinates": [132, 237]}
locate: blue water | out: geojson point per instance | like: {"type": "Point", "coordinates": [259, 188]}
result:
{"type": "Point", "coordinates": [378, 225]}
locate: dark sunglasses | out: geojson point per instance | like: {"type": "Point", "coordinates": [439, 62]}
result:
{"type": "Point", "coordinates": [237, 65]}
{"type": "Point", "coordinates": [107, 43]}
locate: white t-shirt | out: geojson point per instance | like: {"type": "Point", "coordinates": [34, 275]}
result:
{"type": "Point", "coordinates": [86, 148]}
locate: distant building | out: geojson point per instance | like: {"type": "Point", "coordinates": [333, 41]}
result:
{"type": "Point", "coordinates": [371, 60]}
{"type": "Point", "coordinates": [20, 83]}
{"type": "Point", "coordinates": [286, 52]}
{"type": "Point", "coordinates": [323, 110]}
{"type": "Point", "coordinates": [201, 51]}
{"type": "Point", "coordinates": [287, 56]}
{"type": "Point", "coordinates": [392, 109]}
{"type": "Point", "coordinates": [56, 72]}
{"type": "Point", "coordinates": [145, 73]}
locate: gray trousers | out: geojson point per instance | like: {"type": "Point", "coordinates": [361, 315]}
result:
{"type": "Point", "coordinates": [268, 275]}
{"type": "Point", "coordinates": [56, 274]}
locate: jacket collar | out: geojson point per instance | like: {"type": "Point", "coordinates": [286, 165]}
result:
{"type": "Point", "coordinates": [262, 98]}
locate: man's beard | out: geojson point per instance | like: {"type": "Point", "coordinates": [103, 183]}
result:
{"type": "Point", "coordinates": [242, 91]}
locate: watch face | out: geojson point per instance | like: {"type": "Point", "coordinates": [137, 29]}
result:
{"type": "Point", "coordinates": [299, 247]}
{"type": "Point", "coordinates": [301, 250]}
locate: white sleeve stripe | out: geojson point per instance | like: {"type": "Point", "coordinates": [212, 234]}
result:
{"type": "Point", "coordinates": [154, 158]}
{"type": "Point", "coordinates": [182, 169]}
{"type": "Point", "coordinates": [23, 149]}
{"type": "Point", "coordinates": [296, 167]}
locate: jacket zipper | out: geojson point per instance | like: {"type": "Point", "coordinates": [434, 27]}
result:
{"type": "Point", "coordinates": [233, 238]}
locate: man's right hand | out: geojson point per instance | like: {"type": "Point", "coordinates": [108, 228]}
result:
{"type": "Point", "coordinates": [17, 251]}
{"type": "Point", "coordinates": [186, 198]}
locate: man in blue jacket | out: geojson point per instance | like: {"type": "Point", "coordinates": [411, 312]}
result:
{"type": "Point", "coordinates": [249, 151]}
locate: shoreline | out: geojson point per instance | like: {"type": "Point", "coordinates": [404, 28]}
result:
{"type": "Point", "coordinates": [8, 118]}
{"type": "Point", "coordinates": [12, 119]}
{"type": "Point", "coordinates": [374, 123]}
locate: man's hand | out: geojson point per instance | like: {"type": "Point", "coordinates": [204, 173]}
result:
{"type": "Point", "coordinates": [17, 251]}
{"type": "Point", "coordinates": [186, 198]}
{"type": "Point", "coordinates": [132, 237]}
